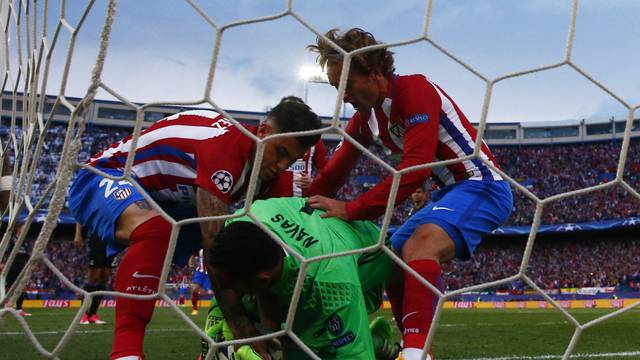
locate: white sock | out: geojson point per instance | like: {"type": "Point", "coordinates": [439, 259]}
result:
{"type": "Point", "coordinates": [413, 354]}
{"type": "Point", "coordinates": [130, 357]}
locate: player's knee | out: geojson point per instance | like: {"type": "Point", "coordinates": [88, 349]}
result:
{"type": "Point", "coordinates": [429, 241]}
{"type": "Point", "coordinates": [105, 274]}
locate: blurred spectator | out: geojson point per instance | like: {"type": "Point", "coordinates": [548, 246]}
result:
{"type": "Point", "coordinates": [553, 264]}
{"type": "Point", "coordinates": [544, 170]}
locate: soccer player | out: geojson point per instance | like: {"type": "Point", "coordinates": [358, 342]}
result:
{"type": "Point", "coordinates": [297, 178]}
{"type": "Point", "coordinates": [19, 262]}
{"type": "Point", "coordinates": [184, 285]}
{"type": "Point", "coordinates": [413, 117]}
{"type": "Point", "coordinates": [338, 293]}
{"type": "Point", "coordinates": [193, 163]}
{"type": "Point", "coordinates": [419, 199]}
{"type": "Point", "coordinates": [100, 265]}
{"type": "Point", "coordinates": [200, 281]}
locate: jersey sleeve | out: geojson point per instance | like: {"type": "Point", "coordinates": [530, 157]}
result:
{"type": "Point", "coordinates": [418, 104]}
{"type": "Point", "coordinates": [218, 174]}
{"type": "Point", "coordinates": [320, 155]}
{"type": "Point", "coordinates": [344, 312]}
{"type": "Point", "coordinates": [336, 172]}
{"type": "Point", "coordinates": [282, 186]}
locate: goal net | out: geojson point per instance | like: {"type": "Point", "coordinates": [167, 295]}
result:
{"type": "Point", "coordinates": [27, 47]}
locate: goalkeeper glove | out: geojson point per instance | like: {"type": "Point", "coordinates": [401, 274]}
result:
{"type": "Point", "coordinates": [383, 345]}
{"type": "Point", "coordinates": [216, 327]}
{"type": "Point", "coordinates": [246, 352]}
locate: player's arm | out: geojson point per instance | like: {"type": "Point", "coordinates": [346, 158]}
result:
{"type": "Point", "coordinates": [320, 156]}
{"type": "Point", "coordinates": [318, 161]}
{"type": "Point", "coordinates": [421, 113]}
{"type": "Point", "coordinates": [192, 262]}
{"type": "Point", "coordinates": [336, 171]}
{"type": "Point", "coordinates": [208, 204]}
{"type": "Point", "coordinates": [230, 300]}
{"type": "Point", "coordinates": [268, 309]}
{"type": "Point", "coordinates": [77, 236]}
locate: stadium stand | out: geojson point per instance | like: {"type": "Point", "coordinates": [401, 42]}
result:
{"type": "Point", "coordinates": [546, 162]}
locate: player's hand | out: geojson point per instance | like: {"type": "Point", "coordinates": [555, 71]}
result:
{"type": "Point", "coordinates": [246, 352]}
{"type": "Point", "coordinates": [304, 181]}
{"type": "Point", "coordinates": [77, 241]}
{"type": "Point", "coordinates": [333, 207]}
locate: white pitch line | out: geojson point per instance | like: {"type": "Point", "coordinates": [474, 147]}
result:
{"type": "Point", "coordinates": [545, 357]}
{"type": "Point", "coordinates": [544, 323]}
{"type": "Point", "coordinates": [15, 333]}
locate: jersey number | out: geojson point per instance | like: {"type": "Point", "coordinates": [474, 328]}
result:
{"type": "Point", "coordinates": [110, 189]}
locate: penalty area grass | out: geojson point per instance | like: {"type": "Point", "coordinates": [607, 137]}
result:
{"type": "Point", "coordinates": [462, 335]}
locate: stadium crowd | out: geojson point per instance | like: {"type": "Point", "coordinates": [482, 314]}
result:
{"type": "Point", "coordinates": [612, 263]}
{"type": "Point", "coordinates": [568, 167]}
{"type": "Point", "coordinates": [545, 170]}
{"type": "Point", "coordinates": [553, 264]}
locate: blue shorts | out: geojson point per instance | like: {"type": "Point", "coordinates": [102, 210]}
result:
{"type": "Point", "coordinates": [466, 211]}
{"type": "Point", "coordinates": [201, 279]}
{"type": "Point", "coordinates": [97, 202]}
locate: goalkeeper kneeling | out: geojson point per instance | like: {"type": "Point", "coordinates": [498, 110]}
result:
{"type": "Point", "coordinates": [337, 293]}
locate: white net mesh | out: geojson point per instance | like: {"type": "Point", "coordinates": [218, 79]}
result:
{"type": "Point", "coordinates": [27, 50]}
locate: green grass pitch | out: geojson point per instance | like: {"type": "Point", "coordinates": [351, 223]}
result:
{"type": "Point", "coordinates": [462, 334]}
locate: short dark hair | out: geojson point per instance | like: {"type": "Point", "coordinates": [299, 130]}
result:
{"type": "Point", "coordinates": [364, 63]}
{"type": "Point", "coordinates": [243, 250]}
{"type": "Point", "coordinates": [291, 115]}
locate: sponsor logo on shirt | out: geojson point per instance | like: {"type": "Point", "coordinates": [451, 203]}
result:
{"type": "Point", "coordinates": [343, 340]}
{"type": "Point", "coordinates": [298, 166]}
{"type": "Point", "coordinates": [436, 208]}
{"type": "Point", "coordinates": [417, 119]}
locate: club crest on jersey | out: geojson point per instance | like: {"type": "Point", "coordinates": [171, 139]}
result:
{"type": "Point", "coordinates": [334, 325]}
{"type": "Point", "coordinates": [122, 194]}
{"type": "Point", "coordinates": [223, 180]}
{"type": "Point", "coordinates": [417, 119]}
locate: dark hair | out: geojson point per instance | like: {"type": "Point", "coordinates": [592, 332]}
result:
{"type": "Point", "coordinates": [244, 250]}
{"type": "Point", "coordinates": [364, 63]}
{"type": "Point", "coordinates": [291, 115]}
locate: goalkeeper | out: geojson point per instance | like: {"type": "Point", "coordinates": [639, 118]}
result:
{"type": "Point", "coordinates": [338, 292]}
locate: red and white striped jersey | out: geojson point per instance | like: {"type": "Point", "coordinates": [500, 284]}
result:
{"type": "Point", "coordinates": [421, 122]}
{"type": "Point", "coordinates": [315, 157]}
{"type": "Point", "coordinates": [199, 260]}
{"type": "Point", "coordinates": [192, 148]}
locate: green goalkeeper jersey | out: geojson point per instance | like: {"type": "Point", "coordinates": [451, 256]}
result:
{"type": "Point", "coordinates": [338, 292]}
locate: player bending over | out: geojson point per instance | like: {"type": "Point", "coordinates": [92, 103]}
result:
{"type": "Point", "coordinates": [413, 117]}
{"type": "Point", "coordinates": [338, 293]}
{"type": "Point", "coordinates": [195, 160]}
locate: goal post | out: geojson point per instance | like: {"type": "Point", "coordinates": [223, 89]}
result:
{"type": "Point", "coordinates": [27, 74]}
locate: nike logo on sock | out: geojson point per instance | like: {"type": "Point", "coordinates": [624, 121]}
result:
{"type": "Point", "coordinates": [436, 208]}
{"type": "Point", "coordinates": [139, 276]}
{"type": "Point", "coordinates": [409, 314]}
